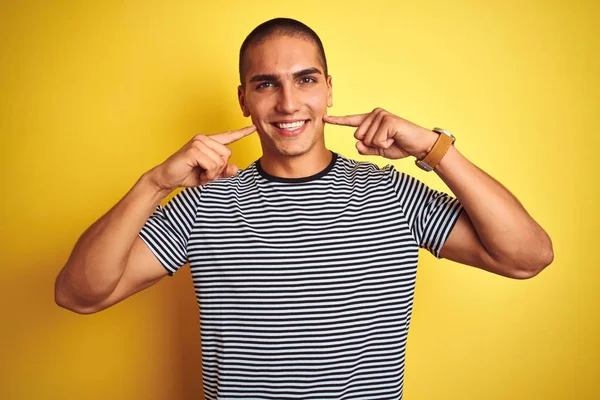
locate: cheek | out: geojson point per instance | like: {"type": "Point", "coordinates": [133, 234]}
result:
{"type": "Point", "coordinates": [317, 102]}
{"type": "Point", "coordinates": [255, 114]}
{"type": "Point", "coordinates": [259, 111]}
{"type": "Point", "coordinates": [258, 108]}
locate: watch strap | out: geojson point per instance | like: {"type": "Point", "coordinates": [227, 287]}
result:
{"type": "Point", "coordinates": [439, 150]}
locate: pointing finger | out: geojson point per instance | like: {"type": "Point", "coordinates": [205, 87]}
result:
{"type": "Point", "coordinates": [348, 120]}
{"type": "Point", "coordinates": [232, 136]}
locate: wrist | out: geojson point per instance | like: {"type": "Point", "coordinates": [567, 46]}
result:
{"type": "Point", "coordinates": [429, 138]}
{"type": "Point", "coordinates": [446, 163]}
{"type": "Point", "coordinates": [151, 180]}
{"type": "Point", "coordinates": [443, 143]}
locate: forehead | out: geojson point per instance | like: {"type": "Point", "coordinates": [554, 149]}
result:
{"type": "Point", "coordinates": [281, 55]}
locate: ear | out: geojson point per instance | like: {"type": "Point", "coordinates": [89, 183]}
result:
{"type": "Point", "coordinates": [242, 100]}
{"type": "Point", "coordinates": [329, 92]}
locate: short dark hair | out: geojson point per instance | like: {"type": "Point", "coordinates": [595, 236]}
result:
{"type": "Point", "coordinates": [280, 27]}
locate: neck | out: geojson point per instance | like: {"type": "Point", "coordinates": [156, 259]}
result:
{"type": "Point", "coordinates": [299, 166]}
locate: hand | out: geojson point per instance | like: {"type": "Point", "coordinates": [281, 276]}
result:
{"type": "Point", "coordinates": [201, 160]}
{"type": "Point", "coordinates": [381, 133]}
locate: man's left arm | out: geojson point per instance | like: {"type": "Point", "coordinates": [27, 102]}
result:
{"type": "Point", "coordinates": [495, 233]}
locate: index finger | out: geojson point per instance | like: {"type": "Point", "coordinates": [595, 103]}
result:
{"type": "Point", "coordinates": [347, 120]}
{"type": "Point", "coordinates": [232, 136]}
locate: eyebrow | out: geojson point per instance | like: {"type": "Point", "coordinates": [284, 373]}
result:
{"type": "Point", "coordinates": [275, 77]}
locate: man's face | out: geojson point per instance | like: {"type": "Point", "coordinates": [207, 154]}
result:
{"type": "Point", "coordinates": [286, 94]}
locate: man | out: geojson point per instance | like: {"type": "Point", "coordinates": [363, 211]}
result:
{"type": "Point", "coordinates": [304, 263]}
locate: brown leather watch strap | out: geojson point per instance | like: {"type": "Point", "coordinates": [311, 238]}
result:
{"type": "Point", "coordinates": [439, 150]}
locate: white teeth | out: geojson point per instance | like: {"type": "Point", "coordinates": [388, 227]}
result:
{"type": "Point", "coordinates": [291, 125]}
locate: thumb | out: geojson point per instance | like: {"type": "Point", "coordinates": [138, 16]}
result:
{"type": "Point", "coordinates": [230, 170]}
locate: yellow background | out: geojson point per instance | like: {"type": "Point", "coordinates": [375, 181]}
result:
{"type": "Point", "coordinates": [94, 93]}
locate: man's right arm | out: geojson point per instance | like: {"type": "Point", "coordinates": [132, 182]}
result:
{"type": "Point", "coordinates": [109, 261]}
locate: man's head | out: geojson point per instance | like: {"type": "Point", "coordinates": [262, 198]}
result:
{"type": "Point", "coordinates": [280, 27]}
{"type": "Point", "coordinates": [284, 86]}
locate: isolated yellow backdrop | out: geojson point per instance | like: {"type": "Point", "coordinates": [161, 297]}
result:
{"type": "Point", "coordinates": [94, 93]}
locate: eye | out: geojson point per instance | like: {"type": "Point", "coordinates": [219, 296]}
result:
{"type": "Point", "coordinates": [307, 79]}
{"type": "Point", "coordinates": [265, 85]}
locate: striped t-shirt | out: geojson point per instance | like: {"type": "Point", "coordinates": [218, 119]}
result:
{"type": "Point", "coordinates": [305, 286]}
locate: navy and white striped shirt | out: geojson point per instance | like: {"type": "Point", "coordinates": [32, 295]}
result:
{"type": "Point", "coordinates": [305, 286]}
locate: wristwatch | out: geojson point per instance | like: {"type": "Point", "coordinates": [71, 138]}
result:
{"type": "Point", "coordinates": [441, 146]}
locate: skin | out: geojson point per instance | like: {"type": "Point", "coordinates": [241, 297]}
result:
{"type": "Point", "coordinates": [285, 83]}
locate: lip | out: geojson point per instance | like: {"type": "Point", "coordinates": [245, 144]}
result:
{"type": "Point", "coordinates": [286, 132]}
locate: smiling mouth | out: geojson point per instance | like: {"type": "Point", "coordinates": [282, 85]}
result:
{"type": "Point", "coordinates": [290, 126]}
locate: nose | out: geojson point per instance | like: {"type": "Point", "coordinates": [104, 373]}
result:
{"type": "Point", "coordinates": [288, 102]}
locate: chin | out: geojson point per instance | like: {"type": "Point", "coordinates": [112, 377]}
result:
{"type": "Point", "coordinates": [293, 150]}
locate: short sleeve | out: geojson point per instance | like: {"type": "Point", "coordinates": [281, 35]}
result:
{"type": "Point", "coordinates": [430, 214]}
{"type": "Point", "coordinates": [167, 230]}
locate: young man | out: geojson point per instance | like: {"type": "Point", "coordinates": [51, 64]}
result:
{"type": "Point", "coordinates": [304, 263]}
